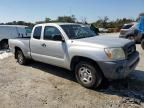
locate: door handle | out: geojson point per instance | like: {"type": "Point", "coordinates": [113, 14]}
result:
{"type": "Point", "coordinates": [43, 45]}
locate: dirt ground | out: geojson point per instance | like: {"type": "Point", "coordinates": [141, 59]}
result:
{"type": "Point", "coordinates": [40, 85]}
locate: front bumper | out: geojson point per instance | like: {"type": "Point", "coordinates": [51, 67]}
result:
{"type": "Point", "coordinates": [119, 69]}
{"type": "Point", "coordinates": [122, 36]}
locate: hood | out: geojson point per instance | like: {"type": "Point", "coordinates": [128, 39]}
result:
{"type": "Point", "coordinates": [102, 41]}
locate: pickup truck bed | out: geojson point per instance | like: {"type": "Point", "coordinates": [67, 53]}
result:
{"type": "Point", "coordinates": [23, 43]}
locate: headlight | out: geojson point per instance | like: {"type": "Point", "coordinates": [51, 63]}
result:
{"type": "Point", "coordinates": [115, 53]}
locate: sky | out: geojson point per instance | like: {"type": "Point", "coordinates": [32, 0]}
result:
{"type": "Point", "coordinates": [92, 10]}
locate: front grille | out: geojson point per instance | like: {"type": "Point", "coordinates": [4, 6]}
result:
{"type": "Point", "coordinates": [130, 49]}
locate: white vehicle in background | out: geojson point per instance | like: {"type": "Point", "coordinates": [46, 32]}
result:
{"type": "Point", "coordinates": [103, 30]}
{"type": "Point", "coordinates": [12, 31]}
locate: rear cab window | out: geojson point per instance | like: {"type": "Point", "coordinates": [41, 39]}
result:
{"type": "Point", "coordinates": [37, 32]}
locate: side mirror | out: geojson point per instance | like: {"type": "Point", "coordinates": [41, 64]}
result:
{"type": "Point", "coordinates": [58, 38]}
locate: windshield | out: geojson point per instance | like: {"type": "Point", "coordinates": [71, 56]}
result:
{"type": "Point", "coordinates": [78, 31]}
{"type": "Point", "coordinates": [127, 26]}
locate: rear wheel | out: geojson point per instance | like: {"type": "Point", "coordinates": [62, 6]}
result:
{"type": "Point", "coordinates": [88, 75]}
{"type": "Point", "coordinates": [142, 44]}
{"type": "Point", "coordinates": [20, 57]}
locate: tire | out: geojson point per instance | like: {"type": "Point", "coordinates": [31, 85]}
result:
{"type": "Point", "coordinates": [21, 58]}
{"type": "Point", "coordinates": [88, 75]}
{"type": "Point", "coordinates": [142, 44]}
{"type": "Point", "coordinates": [4, 45]}
{"type": "Point", "coordinates": [131, 37]}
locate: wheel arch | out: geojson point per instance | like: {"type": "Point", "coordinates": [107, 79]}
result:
{"type": "Point", "coordinates": [4, 40]}
{"type": "Point", "coordinates": [16, 49]}
{"type": "Point", "coordinates": [76, 59]}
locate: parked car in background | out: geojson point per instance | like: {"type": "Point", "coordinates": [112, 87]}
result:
{"type": "Point", "coordinates": [129, 31]}
{"type": "Point", "coordinates": [77, 48]}
{"type": "Point", "coordinates": [12, 31]}
{"type": "Point", "coordinates": [103, 30]}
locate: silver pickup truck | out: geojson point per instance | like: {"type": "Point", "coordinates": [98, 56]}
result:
{"type": "Point", "coordinates": [77, 48]}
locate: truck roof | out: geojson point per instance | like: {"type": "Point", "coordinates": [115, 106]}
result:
{"type": "Point", "coordinates": [57, 24]}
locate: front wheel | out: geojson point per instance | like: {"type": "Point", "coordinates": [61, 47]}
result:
{"type": "Point", "coordinates": [20, 57]}
{"type": "Point", "coordinates": [131, 37]}
{"type": "Point", "coordinates": [142, 44]}
{"type": "Point", "coordinates": [88, 75]}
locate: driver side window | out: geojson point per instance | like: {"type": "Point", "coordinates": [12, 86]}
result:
{"type": "Point", "coordinates": [52, 33]}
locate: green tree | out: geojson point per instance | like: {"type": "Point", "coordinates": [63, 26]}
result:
{"type": "Point", "coordinates": [69, 19]}
{"type": "Point", "coordinates": [47, 20]}
{"type": "Point", "coordinates": [105, 23]}
{"type": "Point", "coordinates": [20, 23]}
{"type": "Point", "coordinates": [84, 20]}
{"type": "Point", "coordinates": [102, 22]}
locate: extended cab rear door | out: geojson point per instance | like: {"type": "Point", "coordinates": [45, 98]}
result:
{"type": "Point", "coordinates": [35, 43]}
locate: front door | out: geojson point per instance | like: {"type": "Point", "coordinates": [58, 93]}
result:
{"type": "Point", "coordinates": [52, 48]}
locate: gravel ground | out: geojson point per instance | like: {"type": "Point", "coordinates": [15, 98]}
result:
{"type": "Point", "coordinates": [4, 54]}
{"type": "Point", "coordinates": [40, 85]}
